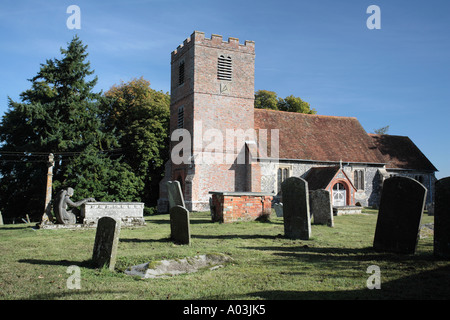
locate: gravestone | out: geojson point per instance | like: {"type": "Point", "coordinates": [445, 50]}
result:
{"type": "Point", "coordinates": [401, 207]}
{"type": "Point", "coordinates": [179, 225]}
{"type": "Point", "coordinates": [106, 241]}
{"type": "Point", "coordinates": [442, 218]}
{"type": "Point", "coordinates": [278, 209]}
{"type": "Point", "coordinates": [320, 207]}
{"type": "Point", "coordinates": [175, 194]}
{"type": "Point", "coordinates": [297, 221]}
{"type": "Point", "coordinates": [1, 219]}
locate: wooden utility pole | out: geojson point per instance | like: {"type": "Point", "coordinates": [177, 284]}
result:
{"type": "Point", "coordinates": [47, 216]}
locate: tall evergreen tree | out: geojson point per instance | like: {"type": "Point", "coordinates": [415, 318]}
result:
{"type": "Point", "coordinates": [59, 114]}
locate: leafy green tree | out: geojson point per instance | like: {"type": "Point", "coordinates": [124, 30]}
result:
{"type": "Point", "coordinates": [295, 104]}
{"type": "Point", "coordinates": [265, 99]}
{"type": "Point", "coordinates": [58, 114]}
{"type": "Point", "coordinates": [139, 117]}
{"type": "Point", "coordinates": [269, 100]}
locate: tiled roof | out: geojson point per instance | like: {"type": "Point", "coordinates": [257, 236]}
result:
{"type": "Point", "coordinates": [399, 152]}
{"type": "Point", "coordinates": [319, 138]}
{"type": "Point", "coordinates": [320, 177]}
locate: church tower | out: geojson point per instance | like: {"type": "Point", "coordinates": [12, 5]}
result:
{"type": "Point", "coordinates": [212, 96]}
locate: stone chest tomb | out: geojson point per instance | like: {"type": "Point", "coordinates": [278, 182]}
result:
{"type": "Point", "coordinates": [130, 214]}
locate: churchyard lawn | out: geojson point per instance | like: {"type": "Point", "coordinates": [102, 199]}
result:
{"type": "Point", "coordinates": [332, 264]}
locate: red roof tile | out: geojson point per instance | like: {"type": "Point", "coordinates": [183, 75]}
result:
{"type": "Point", "coordinates": [320, 177]}
{"type": "Point", "coordinates": [399, 152]}
{"type": "Point", "coordinates": [319, 138]}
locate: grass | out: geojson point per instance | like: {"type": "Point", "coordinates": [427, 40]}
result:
{"type": "Point", "coordinates": [331, 265]}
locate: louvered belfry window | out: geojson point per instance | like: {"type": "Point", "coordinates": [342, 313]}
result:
{"type": "Point", "coordinates": [181, 73]}
{"type": "Point", "coordinates": [180, 120]}
{"type": "Point", "coordinates": [224, 69]}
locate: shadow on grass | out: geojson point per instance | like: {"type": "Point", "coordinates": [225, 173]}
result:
{"type": "Point", "coordinates": [73, 294]}
{"type": "Point", "coordinates": [136, 240]}
{"type": "Point", "coordinates": [235, 236]}
{"type": "Point", "coordinates": [191, 221]}
{"type": "Point", "coordinates": [306, 252]}
{"type": "Point", "coordinates": [65, 263]}
{"type": "Point", "coordinates": [431, 285]}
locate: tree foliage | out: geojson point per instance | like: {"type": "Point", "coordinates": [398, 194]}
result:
{"type": "Point", "coordinates": [59, 114]}
{"type": "Point", "coordinates": [139, 118]}
{"type": "Point", "coordinates": [382, 130]}
{"type": "Point", "coordinates": [269, 100]}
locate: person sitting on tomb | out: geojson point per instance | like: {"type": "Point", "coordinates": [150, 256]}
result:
{"type": "Point", "coordinates": [64, 216]}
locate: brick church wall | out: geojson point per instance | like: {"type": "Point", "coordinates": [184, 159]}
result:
{"type": "Point", "coordinates": [210, 103]}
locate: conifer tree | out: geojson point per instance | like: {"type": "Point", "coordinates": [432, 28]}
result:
{"type": "Point", "coordinates": [59, 114]}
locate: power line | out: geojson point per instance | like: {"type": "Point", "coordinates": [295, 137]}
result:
{"type": "Point", "coordinates": [64, 153]}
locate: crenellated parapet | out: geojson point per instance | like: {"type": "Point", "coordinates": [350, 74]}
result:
{"type": "Point", "coordinates": [216, 41]}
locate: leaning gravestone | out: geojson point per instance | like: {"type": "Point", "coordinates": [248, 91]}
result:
{"type": "Point", "coordinates": [442, 218]}
{"type": "Point", "coordinates": [175, 194]}
{"type": "Point", "coordinates": [401, 207]}
{"type": "Point", "coordinates": [297, 221]}
{"type": "Point", "coordinates": [320, 207]}
{"type": "Point", "coordinates": [179, 225]}
{"type": "Point", "coordinates": [106, 241]}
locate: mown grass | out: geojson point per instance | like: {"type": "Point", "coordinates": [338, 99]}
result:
{"type": "Point", "coordinates": [266, 265]}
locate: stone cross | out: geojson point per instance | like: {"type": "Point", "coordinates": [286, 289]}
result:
{"type": "Point", "coordinates": [297, 221]}
{"type": "Point", "coordinates": [179, 225]}
{"type": "Point", "coordinates": [442, 218]}
{"type": "Point", "coordinates": [401, 207]}
{"type": "Point", "coordinates": [106, 242]}
{"type": "Point", "coordinates": [321, 207]}
{"type": "Point", "coordinates": [47, 216]}
{"type": "Point", "coordinates": [175, 194]}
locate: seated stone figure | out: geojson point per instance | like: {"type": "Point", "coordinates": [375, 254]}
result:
{"type": "Point", "coordinates": [62, 200]}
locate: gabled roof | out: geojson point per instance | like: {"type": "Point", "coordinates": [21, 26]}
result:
{"type": "Point", "coordinates": [318, 138]}
{"type": "Point", "coordinates": [399, 152]}
{"type": "Point", "coordinates": [320, 177]}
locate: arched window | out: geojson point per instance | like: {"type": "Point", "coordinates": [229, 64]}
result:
{"type": "Point", "coordinates": [358, 179]}
{"type": "Point", "coordinates": [224, 69]}
{"type": "Point", "coordinates": [282, 174]}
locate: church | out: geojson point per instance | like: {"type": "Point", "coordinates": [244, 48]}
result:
{"type": "Point", "coordinates": [221, 143]}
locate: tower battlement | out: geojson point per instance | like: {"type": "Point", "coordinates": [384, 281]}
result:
{"type": "Point", "coordinates": [216, 41]}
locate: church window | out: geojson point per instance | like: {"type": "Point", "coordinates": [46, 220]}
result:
{"type": "Point", "coordinates": [181, 73]}
{"type": "Point", "coordinates": [224, 69]}
{"type": "Point", "coordinates": [358, 179]}
{"type": "Point", "coordinates": [283, 174]}
{"type": "Point", "coordinates": [180, 120]}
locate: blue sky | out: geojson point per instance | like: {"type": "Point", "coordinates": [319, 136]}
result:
{"type": "Point", "coordinates": [321, 51]}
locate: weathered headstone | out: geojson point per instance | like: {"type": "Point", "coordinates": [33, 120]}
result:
{"type": "Point", "coordinates": [278, 209]}
{"type": "Point", "coordinates": [320, 207]}
{"type": "Point", "coordinates": [175, 194]}
{"type": "Point", "coordinates": [401, 207]}
{"type": "Point", "coordinates": [442, 218]}
{"type": "Point", "coordinates": [179, 225]}
{"type": "Point", "coordinates": [106, 242]}
{"type": "Point", "coordinates": [297, 221]}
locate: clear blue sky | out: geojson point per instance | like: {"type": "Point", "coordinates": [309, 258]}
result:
{"type": "Point", "coordinates": [321, 51]}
